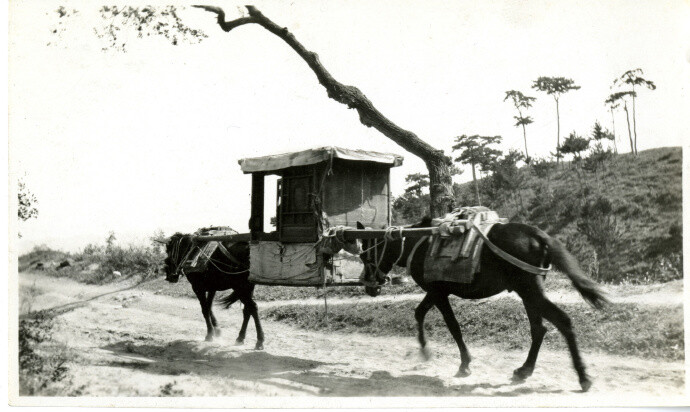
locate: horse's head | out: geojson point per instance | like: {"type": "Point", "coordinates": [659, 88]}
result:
{"type": "Point", "coordinates": [175, 249]}
{"type": "Point", "coordinates": [380, 255]}
{"type": "Point", "coordinates": [333, 242]}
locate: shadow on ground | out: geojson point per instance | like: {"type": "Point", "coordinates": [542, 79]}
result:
{"type": "Point", "coordinates": [287, 372]}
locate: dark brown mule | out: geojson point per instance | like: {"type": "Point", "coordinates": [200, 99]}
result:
{"type": "Point", "coordinates": [524, 242]}
{"type": "Point", "coordinates": [221, 274]}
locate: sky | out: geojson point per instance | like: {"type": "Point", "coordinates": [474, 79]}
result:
{"type": "Point", "coordinates": [148, 139]}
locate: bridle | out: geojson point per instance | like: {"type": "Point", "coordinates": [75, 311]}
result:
{"type": "Point", "coordinates": [176, 259]}
{"type": "Point", "coordinates": [377, 260]}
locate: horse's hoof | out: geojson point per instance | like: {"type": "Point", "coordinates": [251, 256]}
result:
{"type": "Point", "coordinates": [216, 332]}
{"type": "Point", "coordinates": [426, 353]}
{"type": "Point", "coordinates": [463, 372]}
{"type": "Point", "coordinates": [239, 342]}
{"type": "Point", "coordinates": [209, 338]}
{"type": "Point", "coordinates": [259, 346]}
{"type": "Point", "coordinates": [585, 384]}
{"type": "Point", "coordinates": [522, 373]}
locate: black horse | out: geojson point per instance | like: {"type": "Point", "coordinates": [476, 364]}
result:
{"type": "Point", "coordinates": [524, 242]}
{"type": "Point", "coordinates": [223, 272]}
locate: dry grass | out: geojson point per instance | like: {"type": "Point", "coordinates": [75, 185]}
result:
{"type": "Point", "coordinates": [624, 329]}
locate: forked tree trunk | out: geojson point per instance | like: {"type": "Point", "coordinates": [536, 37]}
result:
{"type": "Point", "coordinates": [437, 163]}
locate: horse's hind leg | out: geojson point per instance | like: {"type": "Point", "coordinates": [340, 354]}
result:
{"type": "Point", "coordinates": [442, 303]}
{"type": "Point", "coordinates": [419, 314]}
{"type": "Point", "coordinates": [538, 330]}
{"type": "Point", "coordinates": [254, 310]}
{"type": "Point", "coordinates": [214, 322]}
{"type": "Point", "coordinates": [243, 330]}
{"type": "Point", "coordinates": [562, 322]}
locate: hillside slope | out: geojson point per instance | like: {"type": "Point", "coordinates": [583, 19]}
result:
{"type": "Point", "coordinates": [624, 221]}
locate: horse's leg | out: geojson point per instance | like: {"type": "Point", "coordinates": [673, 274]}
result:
{"type": "Point", "coordinates": [254, 310]}
{"type": "Point", "coordinates": [419, 314]}
{"type": "Point", "coordinates": [442, 303]}
{"type": "Point", "coordinates": [201, 295]}
{"type": "Point", "coordinates": [243, 330]}
{"type": "Point", "coordinates": [562, 322]}
{"type": "Point", "coordinates": [214, 322]}
{"type": "Point", "coordinates": [538, 330]}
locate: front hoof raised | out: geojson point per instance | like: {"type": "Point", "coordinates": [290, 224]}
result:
{"type": "Point", "coordinates": [463, 372]}
{"type": "Point", "coordinates": [259, 346]}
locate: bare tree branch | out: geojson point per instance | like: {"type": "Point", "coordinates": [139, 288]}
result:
{"type": "Point", "coordinates": [441, 189]}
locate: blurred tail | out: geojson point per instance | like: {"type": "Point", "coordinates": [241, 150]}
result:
{"type": "Point", "coordinates": [227, 301]}
{"type": "Point", "coordinates": [566, 263]}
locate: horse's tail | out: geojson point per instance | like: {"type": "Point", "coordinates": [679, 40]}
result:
{"type": "Point", "coordinates": [227, 301]}
{"type": "Point", "coordinates": [565, 262]}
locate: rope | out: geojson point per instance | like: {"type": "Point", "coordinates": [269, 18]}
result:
{"type": "Point", "coordinates": [389, 236]}
{"type": "Point", "coordinates": [214, 263]}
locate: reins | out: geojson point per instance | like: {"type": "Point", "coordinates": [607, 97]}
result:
{"type": "Point", "coordinates": [388, 236]}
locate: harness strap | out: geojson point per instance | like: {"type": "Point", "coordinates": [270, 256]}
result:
{"type": "Point", "coordinates": [509, 258]}
{"type": "Point", "coordinates": [408, 269]}
{"type": "Point", "coordinates": [229, 255]}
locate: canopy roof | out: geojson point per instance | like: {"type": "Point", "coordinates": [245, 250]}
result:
{"type": "Point", "coordinates": [313, 156]}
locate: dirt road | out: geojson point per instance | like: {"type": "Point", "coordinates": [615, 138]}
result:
{"type": "Point", "coordinates": [139, 343]}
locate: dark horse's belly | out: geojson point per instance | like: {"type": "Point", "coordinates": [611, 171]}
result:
{"type": "Point", "coordinates": [482, 287]}
{"type": "Point", "coordinates": [209, 281]}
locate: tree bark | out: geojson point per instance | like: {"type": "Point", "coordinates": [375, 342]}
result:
{"type": "Point", "coordinates": [634, 121]}
{"type": "Point", "coordinates": [524, 135]}
{"type": "Point", "coordinates": [438, 164]}
{"type": "Point", "coordinates": [476, 186]}
{"type": "Point", "coordinates": [558, 133]}
{"type": "Point", "coordinates": [613, 125]}
{"type": "Point", "coordinates": [627, 118]}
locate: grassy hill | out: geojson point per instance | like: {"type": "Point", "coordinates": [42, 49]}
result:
{"type": "Point", "coordinates": [623, 221]}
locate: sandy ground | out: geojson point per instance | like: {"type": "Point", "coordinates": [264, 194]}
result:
{"type": "Point", "coordinates": [138, 343]}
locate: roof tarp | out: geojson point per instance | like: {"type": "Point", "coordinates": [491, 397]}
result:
{"type": "Point", "coordinates": [313, 156]}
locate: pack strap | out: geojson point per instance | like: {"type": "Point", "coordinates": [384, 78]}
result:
{"type": "Point", "coordinates": [229, 255]}
{"type": "Point", "coordinates": [509, 258]}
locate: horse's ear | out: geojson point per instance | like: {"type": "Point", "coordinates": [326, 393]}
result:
{"type": "Point", "coordinates": [360, 225]}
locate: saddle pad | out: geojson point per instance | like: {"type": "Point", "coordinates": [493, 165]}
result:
{"type": "Point", "coordinates": [455, 258]}
{"type": "Point", "coordinates": [198, 260]}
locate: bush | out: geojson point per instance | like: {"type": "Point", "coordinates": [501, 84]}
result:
{"type": "Point", "coordinates": [663, 268]}
{"type": "Point", "coordinates": [42, 363]}
{"type": "Point", "coordinates": [604, 232]}
{"type": "Point", "coordinates": [95, 264]}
